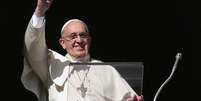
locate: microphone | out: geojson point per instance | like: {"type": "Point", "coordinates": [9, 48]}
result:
{"type": "Point", "coordinates": [178, 57]}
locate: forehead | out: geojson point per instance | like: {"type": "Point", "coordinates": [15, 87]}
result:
{"type": "Point", "coordinates": [74, 27]}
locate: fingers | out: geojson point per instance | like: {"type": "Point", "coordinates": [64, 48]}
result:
{"type": "Point", "coordinates": [48, 1]}
{"type": "Point", "coordinates": [130, 99]}
{"type": "Point", "coordinates": [42, 7]}
{"type": "Point", "coordinates": [44, 2]}
{"type": "Point", "coordinates": [138, 98]}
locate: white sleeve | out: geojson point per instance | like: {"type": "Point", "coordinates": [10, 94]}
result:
{"type": "Point", "coordinates": [36, 50]}
{"type": "Point", "coordinates": [35, 73]}
{"type": "Point", "coordinates": [37, 22]}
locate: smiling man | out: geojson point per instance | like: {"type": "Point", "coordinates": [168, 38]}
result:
{"type": "Point", "coordinates": [75, 38]}
{"type": "Point", "coordinates": [49, 74]}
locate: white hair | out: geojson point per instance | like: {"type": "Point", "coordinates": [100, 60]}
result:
{"type": "Point", "coordinates": [73, 20]}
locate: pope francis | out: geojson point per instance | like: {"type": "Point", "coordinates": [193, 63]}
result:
{"type": "Point", "coordinates": [49, 74]}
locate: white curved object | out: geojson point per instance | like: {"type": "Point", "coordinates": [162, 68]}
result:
{"type": "Point", "coordinates": [178, 57]}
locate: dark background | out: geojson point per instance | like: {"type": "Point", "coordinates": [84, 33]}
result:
{"type": "Point", "coordinates": [151, 32]}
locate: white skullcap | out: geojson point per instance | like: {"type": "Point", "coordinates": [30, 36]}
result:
{"type": "Point", "coordinates": [73, 20]}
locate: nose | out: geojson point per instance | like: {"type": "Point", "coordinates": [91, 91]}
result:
{"type": "Point", "coordinates": [78, 39]}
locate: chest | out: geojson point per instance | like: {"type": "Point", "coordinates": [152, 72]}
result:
{"type": "Point", "coordinates": [79, 86]}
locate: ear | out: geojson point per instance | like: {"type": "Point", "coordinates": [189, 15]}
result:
{"type": "Point", "coordinates": [62, 43]}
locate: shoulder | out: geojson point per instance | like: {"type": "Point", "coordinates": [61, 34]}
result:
{"type": "Point", "coordinates": [103, 67]}
{"type": "Point", "coordinates": [53, 55]}
{"type": "Point", "coordinates": [96, 61]}
{"type": "Point", "coordinates": [57, 67]}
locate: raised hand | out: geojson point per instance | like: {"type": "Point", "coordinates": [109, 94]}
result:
{"type": "Point", "coordinates": [136, 98]}
{"type": "Point", "coordinates": [42, 7]}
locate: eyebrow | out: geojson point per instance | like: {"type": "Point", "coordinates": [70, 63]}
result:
{"type": "Point", "coordinates": [79, 33]}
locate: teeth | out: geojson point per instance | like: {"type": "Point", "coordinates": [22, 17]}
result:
{"type": "Point", "coordinates": [78, 47]}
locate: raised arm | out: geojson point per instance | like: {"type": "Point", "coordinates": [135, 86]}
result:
{"type": "Point", "coordinates": [36, 51]}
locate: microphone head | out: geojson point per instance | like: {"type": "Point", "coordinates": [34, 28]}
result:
{"type": "Point", "coordinates": [178, 56]}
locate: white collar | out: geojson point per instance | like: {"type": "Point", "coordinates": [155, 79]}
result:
{"type": "Point", "coordinates": [58, 63]}
{"type": "Point", "coordinates": [84, 59]}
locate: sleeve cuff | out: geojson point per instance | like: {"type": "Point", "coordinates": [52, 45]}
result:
{"type": "Point", "coordinates": [37, 22]}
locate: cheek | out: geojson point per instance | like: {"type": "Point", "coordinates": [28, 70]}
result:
{"type": "Point", "coordinates": [68, 46]}
{"type": "Point", "coordinates": [88, 43]}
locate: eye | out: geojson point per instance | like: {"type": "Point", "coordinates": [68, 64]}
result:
{"type": "Point", "coordinates": [72, 36]}
{"type": "Point", "coordinates": [84, 35]}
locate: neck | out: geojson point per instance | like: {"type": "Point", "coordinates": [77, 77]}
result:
{"type": "Point", "coordinates": [82, 59]}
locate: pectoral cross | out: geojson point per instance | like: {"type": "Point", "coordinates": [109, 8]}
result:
{"type": "Point", "coordinates": [83, 90]}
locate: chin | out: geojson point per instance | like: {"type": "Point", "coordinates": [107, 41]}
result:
{"type": "Point", "coordinates": [80, 54]}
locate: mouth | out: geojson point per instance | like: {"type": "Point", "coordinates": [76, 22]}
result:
{"type": "Point", "coordinates": [78, 47]}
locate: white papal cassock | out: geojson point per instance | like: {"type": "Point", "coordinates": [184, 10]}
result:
{"type": "Point", "coordinates": [50, 77]}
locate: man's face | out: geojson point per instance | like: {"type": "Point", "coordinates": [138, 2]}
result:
{"type": "Point", "coordinates": [76, 40]}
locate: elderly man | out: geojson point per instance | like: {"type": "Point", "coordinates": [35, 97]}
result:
{"type": "Point", "coordinates": [50, 76]}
